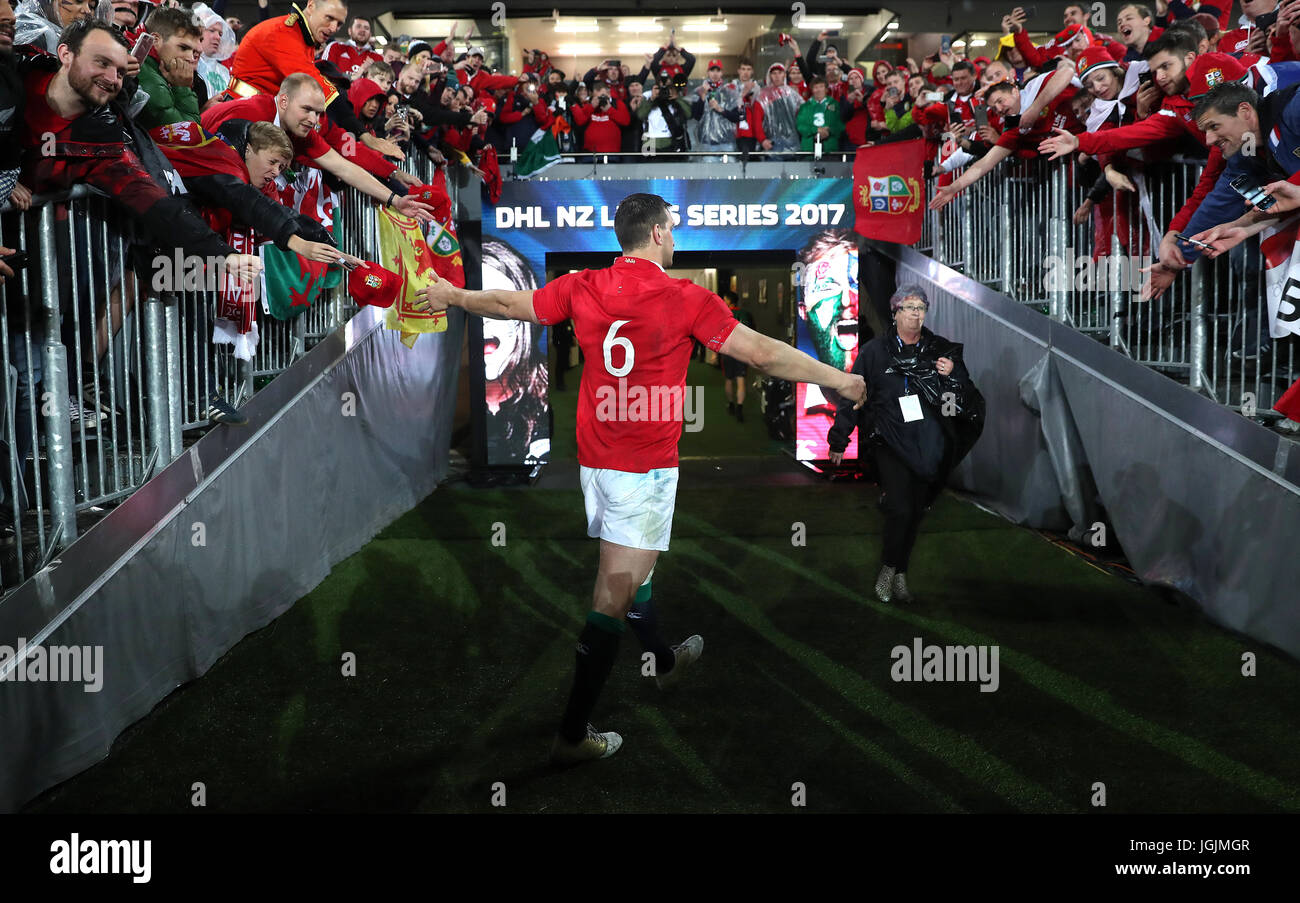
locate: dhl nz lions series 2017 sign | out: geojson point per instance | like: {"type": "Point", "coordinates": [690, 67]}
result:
{"type": "Point", "coordinates": [891, 194]}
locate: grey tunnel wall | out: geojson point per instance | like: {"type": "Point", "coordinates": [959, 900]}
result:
{"type": "Point", "coordinates": [1199, 498]}
{"type": "Point", "coordinates": [338, 446]}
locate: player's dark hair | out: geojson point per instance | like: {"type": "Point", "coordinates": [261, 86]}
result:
{"type": "Point", "coordinates": [75, 34]}
{"type": "Point", "coordinates": [997, 88]}
{"type": "Point", "coordinates": [962, 66]}
{"type": "Point", "coordinates": [1179, 40]}
{"type": "Point", "coordinates": [1225, 99]}
{"type": "Point", "coordinates": [636, 218]}
{"type": "Point", "coordinates": [745, 61]}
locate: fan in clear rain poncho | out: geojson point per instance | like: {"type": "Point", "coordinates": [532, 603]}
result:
{"type": "Point", "coordinates": [40, 22]}
{"type": "Point", "coordinates": [780, 104]}
{"type": "Point", "coordinates": [218, 44]}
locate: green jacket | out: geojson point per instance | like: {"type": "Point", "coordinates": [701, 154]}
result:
{"type": "Point", "coordinates": [896, 123]}
{"type": "Point", "coordinates": [166, 103]}
{"type": "Point", "coordinates": [824, 113]}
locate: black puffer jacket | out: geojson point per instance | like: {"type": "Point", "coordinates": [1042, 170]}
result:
{"type": "Point", "coordinates": [933, 445]}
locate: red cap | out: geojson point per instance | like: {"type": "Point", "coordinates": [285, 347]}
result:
{"type": "Point", "coordinates": [1069, 33]}
{"type": "Point", "coordinates": [715, 64]}
{"type": "Point", "coordinates": [372, 284]}
{"type": "Point", "coordinates": [780, 66]}
{"type": "Point", "coordinates": [1209, 23]}
{"type": "Point", "coordinates": [1209, 70]}
{"type": "Point", "coordinates": [1095, 57]}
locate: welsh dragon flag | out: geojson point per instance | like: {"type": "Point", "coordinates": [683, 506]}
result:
{"type": "Point", "coordinates": [291, 284]}
{"type": "Point", "coordinates": [541, 153]}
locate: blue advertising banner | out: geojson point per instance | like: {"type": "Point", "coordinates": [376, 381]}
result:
{"type": "Point", "coordinates": [813, 218]}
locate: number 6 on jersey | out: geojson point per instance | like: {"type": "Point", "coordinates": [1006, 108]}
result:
{"type": "Point", "coordinates": [629, 353]}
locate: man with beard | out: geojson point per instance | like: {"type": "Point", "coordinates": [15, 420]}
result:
{"type": "Point", "coordinates": [352, 54]}
{"type": "Point", "coordinates": [94, 143]}
{"type": "Point", "coordinates": [780, 105]}
{"type": "Point", "coordinates": [90, 145]}
{"type": "Point", "coordinates": [828, 312]}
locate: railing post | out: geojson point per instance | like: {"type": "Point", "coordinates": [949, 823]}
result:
{"type": "Point", "coordinates": [55, 399]}
{"type": "Point", "coordinates": [157, 378]}
{"type": "Point", "coordinates": [1119, 286]}
{"type": "Point", "coordinates": [1197, 378]}
{"type": "Point", "coordinates": [1058, 221]}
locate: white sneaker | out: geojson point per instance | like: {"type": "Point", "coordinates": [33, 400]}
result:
{"type": "Point", "coordinates": [593, 746]}
{"type": "Point", "coordinates": [686, 653]}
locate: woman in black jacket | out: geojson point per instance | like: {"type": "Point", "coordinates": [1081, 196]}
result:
{"type": "Point", "coordinates": [922, 415]}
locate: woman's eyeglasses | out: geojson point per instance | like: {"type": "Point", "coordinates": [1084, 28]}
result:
{"type": "Point", "coordinates": [914, 308]}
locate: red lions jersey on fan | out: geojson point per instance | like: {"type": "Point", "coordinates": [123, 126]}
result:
{"type": "Point", "coordinates": [636, 326]}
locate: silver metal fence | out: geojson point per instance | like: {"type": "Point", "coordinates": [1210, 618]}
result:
{"type": "Point", "coordinates": [103, 374]}
{"type": "Point", "coordinates": [1021, 230]}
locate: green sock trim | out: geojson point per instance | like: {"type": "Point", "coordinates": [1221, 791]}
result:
{"type": "Point", "coordinates": [605, 622]}
{"type": "Point", "coordinates": [643, 592]}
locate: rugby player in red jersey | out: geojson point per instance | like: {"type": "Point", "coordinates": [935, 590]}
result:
{"type": "Point", "coordinates": [636, 326]}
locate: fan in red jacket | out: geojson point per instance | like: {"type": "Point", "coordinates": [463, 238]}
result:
{"type": "Point", "coordinates": [749, 131]}
{"type": "Point", "coordinates": [876, 102]}
{"type": "Point", "coordinates": [853, 109]}
{"type": "Point", "coordinates": [604, 117]}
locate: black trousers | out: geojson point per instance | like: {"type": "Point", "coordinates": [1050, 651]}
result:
{"type": "Point", "coordinates": [906, 496]}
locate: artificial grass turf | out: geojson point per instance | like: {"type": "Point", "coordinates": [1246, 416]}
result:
{"type": "Point", "coordinates": [464, 653]}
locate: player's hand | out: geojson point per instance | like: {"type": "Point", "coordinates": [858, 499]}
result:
{"type": "Point", "coordinates": [243, 267]}
{"type": "Point", "coordinates": [1224, 238]}
{"type": "Point", "coordinates": [944, 195]}
{"type": "Point", "coordinates": [1285, 194]}
{"type": "Point", "coordinates": [435, 297]}
{"type": "Point", "coordinates": [406, 178]}
{"type": "Point", "coordinates": [1083, 213]}
{"type": "Point", "coordinates": [854, 387]}
{"type": "Point", "coordinates": [836, 457]}
{"type": "Point", "coordinates": [1170, 254]}
{"type": "Point", "coordinates": [1118, 180]}
{"type": "Point", "coordinates": [1059, 145]}
{"type": "Point", "coordinates": [1159, 278]}
{"type": "Point", "coordinates": [409, 206]}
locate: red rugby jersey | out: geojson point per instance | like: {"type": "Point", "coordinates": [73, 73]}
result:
{"type": "Point", "coordinates": [635, 325]}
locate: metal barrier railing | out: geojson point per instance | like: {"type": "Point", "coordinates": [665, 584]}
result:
{"type": "Point", "coordinates": [1016, 231]}
{"type": "Point", "coordinates": [101, 376]}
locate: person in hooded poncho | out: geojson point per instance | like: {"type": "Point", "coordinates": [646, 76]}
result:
{"type": "Point", "coordinates": [780, 104]}
{"type": "Point", "coordinates": [218, 45]}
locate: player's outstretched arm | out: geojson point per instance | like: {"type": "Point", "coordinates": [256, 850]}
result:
{"type": "Point", "coordinates": [784, 362]}
{"type": "Point", "coordinates": [497, 304]}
